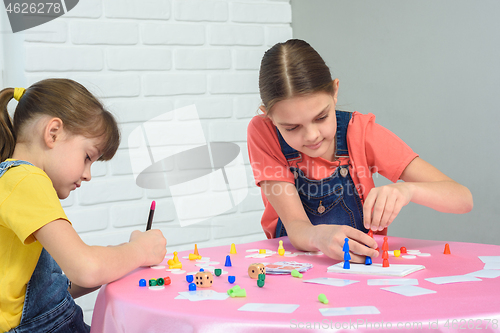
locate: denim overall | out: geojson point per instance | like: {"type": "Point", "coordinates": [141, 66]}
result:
{"type": "Point", "coordinates": [332, 200]}
{"type": "Point", "coordinates": [48, 306]}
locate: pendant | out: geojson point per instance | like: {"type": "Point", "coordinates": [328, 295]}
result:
{"type": "Point", "coordinates": [321, 208]}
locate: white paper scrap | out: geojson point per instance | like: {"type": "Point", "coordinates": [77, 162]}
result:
{"type": "Point", "coordinates": [354, 310]}
{"type": "Point", "coordinates": [492, 265]}
{"type": "Point", "coordinates": [486, 273]}
{"type": "Point", "coordinates": [452, 279]}
{"type": "Point", "coordinates": [487, 259]}
{"type": "Point", "coordinates": [202, 295]}
{"type": "Point", "coordinates": [409, 290]}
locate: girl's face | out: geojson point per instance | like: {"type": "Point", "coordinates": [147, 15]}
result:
{"type": "Point", "coordinates": [308, 123]}
{"type": "Point", "coordinates": [70, 163]}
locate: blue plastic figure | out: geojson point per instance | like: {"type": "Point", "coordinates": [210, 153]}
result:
{"type": "Point", "coordinates": [228, 261]}
{"type": "Point", "coordinates": [346, 245]}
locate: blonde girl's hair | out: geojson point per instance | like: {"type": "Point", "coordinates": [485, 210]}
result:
{"type": "Point", "coordinates": [292, 69]}
{"type": "Point", "coordinates": [80, 112]}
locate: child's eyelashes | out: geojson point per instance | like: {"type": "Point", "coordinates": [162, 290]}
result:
{"type": "Point", "coordinates": [320, 119]}
{"type": "Point", "coordinates": [88, 158]}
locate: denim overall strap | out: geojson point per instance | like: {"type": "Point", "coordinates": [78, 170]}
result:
{"type": "Point", "coordinates": [332, 200]}
{"type": "Point", "coordinates": [48, 306]}
{"type": "Point", "coordinates": [5, 165]}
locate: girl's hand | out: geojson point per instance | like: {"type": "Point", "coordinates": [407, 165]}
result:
{"type": "Point", "coordinates": [152, 245]}
{"type": "Point", "coordinates": [384, 203]}
{"type": "Point", "coordinates": [330, 240]}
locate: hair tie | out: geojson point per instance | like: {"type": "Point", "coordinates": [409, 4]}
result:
{"type": "Point", "coordinates": [18, 93]}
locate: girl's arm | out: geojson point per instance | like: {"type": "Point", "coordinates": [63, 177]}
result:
{"type": "Point", "coordinates": [423, 184]}
{"type": "Point", "coordinates": [328, 239]}
{"type": "Point", "coordinates": [92, 266]}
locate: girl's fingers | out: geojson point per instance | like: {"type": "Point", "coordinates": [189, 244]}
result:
{"type": "Point", "coordinates": [368, 208]}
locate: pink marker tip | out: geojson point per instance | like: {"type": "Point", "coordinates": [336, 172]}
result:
{"type": "Point", "coordinates": [153, 205]}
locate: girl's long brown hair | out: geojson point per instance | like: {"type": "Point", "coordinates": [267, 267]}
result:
{"type": "Point", "coordinates": [80, 112]}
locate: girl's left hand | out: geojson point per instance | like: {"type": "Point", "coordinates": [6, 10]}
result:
{"type": "Point", "coordinates": [384, 203]}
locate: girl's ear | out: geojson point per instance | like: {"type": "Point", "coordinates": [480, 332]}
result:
{"type": "Point", "coordinates": [53, 132]}
{"type": "Point", "coordinates": [335, 89]}
{"type": "Point", "coordinates": [263, 109]}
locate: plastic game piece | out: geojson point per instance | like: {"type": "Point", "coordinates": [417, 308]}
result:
{"type": "Point", "coordinates": [281, 249]}
{"type": "Point", "coordinates": [385, 245]}
{"type": "Point", "coordinates": [152, 282]}
{"type": "Point", "coordinates": [196, 250]}
{"type": "Point", "coordinates": [192, 287]}
{"type": "Point", "coordinates": [217, 272]}
{"type": "Point", "coordinates": [189, 278]}
{"type": "Point", "coordinates": [403, 250]}
{"type": "Point", "coordinates": [262, 251]}
{"type": "Point", "coordinates": [175, 262]}
{"type": "Point", "coordinates": [233, 249]}
{"type": "Point", "coordinates": [231, 278]}
{"type": "Point", "coordinates": [202, 270]}
{"type": "Point", "coordinates": [347, 256]}
{"type": "Point", "coordinates": [385, 263]}
{"type": "Point", "coordinates": [397, 253]}
{"type": "Point", "coordinates": [204, 279]}
{"type": "Point", "coordinates": [385, 255]}
{"type": "Point", "coordinates": [346, 245]}
{"type": "Point", "coordinates": [261, 280]}
{"type": "Point", "coordinates": [255, 269]}
{"type": "Point", "coordinates": [167, 280]}
{"type": "Point", "coordinates": [160, 282]}
{"type": "Point", "coordinates": [193, 256]}
{"type": "Point", "coordinates": [142, 283]}
{"type": "Point", "coordinates": [370, 233]}
{"type": "Point", "coordinates": [447, 249]}
{"type": "Point", "coordinates": [368, 260]}
{"type": "Point", "coordinates": [322, 298]}
{"type": "Point", "coordinates": [228, 261]}
{"type": "Point", "coordinates": [236, 291]}
{"type": "Point", "coordinates": [296, 273]}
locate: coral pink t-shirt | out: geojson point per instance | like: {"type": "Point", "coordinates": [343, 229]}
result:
{"type": "Point", "coordinates": [372, 149]}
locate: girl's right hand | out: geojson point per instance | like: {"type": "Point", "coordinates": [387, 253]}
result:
{"type": "Point", "coordinates": [152, 245]}
{"type": "Point", "coordinates": [330, 240]}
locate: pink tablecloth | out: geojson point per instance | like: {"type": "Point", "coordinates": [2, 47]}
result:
{"type": "Point", "coordinates": [123, 306]}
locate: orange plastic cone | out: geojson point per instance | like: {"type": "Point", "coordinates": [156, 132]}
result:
{"type": "Point", "coordinates": [447, 249]}
{"type": "Point", "coordinates": [196, 250]}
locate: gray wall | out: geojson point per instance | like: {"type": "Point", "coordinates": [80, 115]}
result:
{"type": "Point", "coordinates": [430, 71]}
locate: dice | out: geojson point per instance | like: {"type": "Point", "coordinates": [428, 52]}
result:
{"type": "Point", "coordinates": [255, 269]}
{"type": "Point", "coordinates": [203, 279]}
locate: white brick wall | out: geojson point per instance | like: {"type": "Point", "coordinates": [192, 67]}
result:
{"type": "Point", "coordinates": [143, 59]}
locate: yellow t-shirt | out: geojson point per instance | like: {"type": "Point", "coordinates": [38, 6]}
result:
{"type": "Point", "coordinates": [28, 201]}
